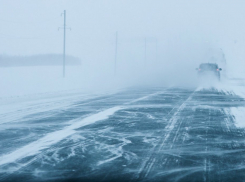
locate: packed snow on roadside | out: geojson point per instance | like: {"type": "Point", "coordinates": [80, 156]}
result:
{"type": "Point", "coordinates": [239, 114]}
{"type": "Point", "coordinates": [33, 80]}
{"type": "Point", "coordinates": [237, 87]}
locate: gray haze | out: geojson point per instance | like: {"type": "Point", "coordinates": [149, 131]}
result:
{"type": "Point", "coordinates": [179, 36]}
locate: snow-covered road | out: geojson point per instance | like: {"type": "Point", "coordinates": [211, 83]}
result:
{"type": "Point", "coordinates": [146, 134]}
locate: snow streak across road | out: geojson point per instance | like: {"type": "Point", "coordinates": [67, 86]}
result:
{"type": "Point", "coordinates": [158, 134]}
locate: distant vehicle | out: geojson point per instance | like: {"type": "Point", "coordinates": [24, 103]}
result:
{"type": "Point", "coordinates": [209, 69]}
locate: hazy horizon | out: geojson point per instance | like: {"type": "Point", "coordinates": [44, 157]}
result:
{"type": "Point", "coordinates": [159, 42]}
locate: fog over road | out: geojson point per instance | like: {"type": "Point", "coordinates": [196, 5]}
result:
{"type": "Point", "coordinates": [135, 91]}
{"type": "Point", "coordinates": [138, 134]}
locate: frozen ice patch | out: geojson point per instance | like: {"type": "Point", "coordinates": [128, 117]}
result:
{"type": "Point", "coordinates": [52, 138]}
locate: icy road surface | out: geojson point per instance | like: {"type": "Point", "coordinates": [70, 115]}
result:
{"type": "Point", "coordinates": [158, 134]}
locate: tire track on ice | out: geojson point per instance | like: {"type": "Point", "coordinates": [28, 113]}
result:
{"type": "Point", "coordinates": [147, 165]}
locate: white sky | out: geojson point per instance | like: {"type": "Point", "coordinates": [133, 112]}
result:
{"type": "Point", "coordinates": [31, 27]}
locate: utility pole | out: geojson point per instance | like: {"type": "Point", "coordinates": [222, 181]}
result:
{"type": "Point", "coordinates": [115, 68]}
{"type": "Point", "coordinates": [64, 42]}
{"type": "Point", "coordinates": [145, 50]}
{"type": "Point", "coordinates": [64, 46]}
{"type": "Point", "coordinates": [156, 48]}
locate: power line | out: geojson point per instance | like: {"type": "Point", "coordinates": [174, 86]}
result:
{"type": "Point", "coordinates": [115, 68]}
{"type": "Point", "coordinates": [18, 37]}
{"type": "Point", "coordinates": [28, 23]}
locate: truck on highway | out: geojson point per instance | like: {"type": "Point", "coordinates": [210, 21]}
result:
{"type": "Point", "coordinates": [209, 69]}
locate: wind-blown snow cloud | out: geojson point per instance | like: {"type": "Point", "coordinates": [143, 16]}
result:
{"type": "Point", "coordinates": [160, 42]}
